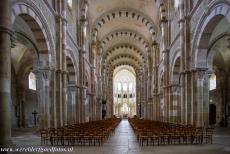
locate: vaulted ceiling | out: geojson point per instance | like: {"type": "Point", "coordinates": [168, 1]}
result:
{"type": "Point", "coordinates": [125, 29]}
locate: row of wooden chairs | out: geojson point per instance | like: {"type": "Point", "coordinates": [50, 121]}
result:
{"type": "Point", "coordinates": [161, 133]}
{"type": "Point", "coordinates": [90, 133]}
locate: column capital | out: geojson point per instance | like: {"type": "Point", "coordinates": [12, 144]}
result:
{"type": "Point", "coordinates": [73, 87]}
{"type": "Point", "coordinates": [6, 29]}
{"type": "Point", "coordinates": [183, 19]}
{"type": "Point", "coordinates": [154, 43]}
{"type": "Point", "coordinates": [61, 17]}
{"type": "Point", "coordinates": [82, 51]}
{"type": "Point", "coordinates": [200, 72]}
{"type": "Point", "coordinates": [199, 69]}
{"type": "Point", "coordinates": [163, 20]}
{"type": "Point", "coordinates": [9, 31]}
{"type": "Point", "coordinates": [174, 85]}
{"type": "Point", "coordinates": [166, 51]}
{"type": "Point", "coordinates": [83, 20]}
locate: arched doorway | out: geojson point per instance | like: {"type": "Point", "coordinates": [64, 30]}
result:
{"type": "Point", "coordinates": [124, 92]}
{"type": "Point", "coordinates": [176, 92]}
{"type": "Point", "coordinates": [211, 60]}
{"type": "Point", "coordinates": [219, 66]}
{"type": "Point", "coordinates": [72, 93]}
{"type": "Point", "coordinates": [30, 75]}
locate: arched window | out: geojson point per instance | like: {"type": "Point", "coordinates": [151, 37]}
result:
{"type": "Point", "coordinates": [70, 3]}
{"type": "Point", "coordinates": [212, 82]}
{"type": "Point", "coordinates": [32, 81]}
{"type": "Point", "coordinates": [176, 3]}
{"type": "Point", "coordinates": [130, 86]}
{"type": "Point", "coordinates": [125, 108]}
{"type": "Point", "coordinates": [125, 87]}
{"type": "Point", "coordinates": [119, 86]}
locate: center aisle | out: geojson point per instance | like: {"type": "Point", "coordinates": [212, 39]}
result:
{"type": "Point", "coordinates": [124, 141]}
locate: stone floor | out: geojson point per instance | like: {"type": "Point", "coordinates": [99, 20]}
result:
{"type": "Point", "coordinates": [124, 142]}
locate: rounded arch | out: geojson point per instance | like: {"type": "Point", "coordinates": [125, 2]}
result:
{"type": "Point", "coordinates": [124, 63]}
{"type": "Point", "coordinates": [87, 80]}
{"type": "Point", "coordinates": [71, 73]}
{"type": "Point", "coordinates": [212, 50]}
{"type": "Point", "coordinates": [128, 56]}
{"type": "Point", "coordinates": [126, 67]}
{"type": "Point", "coordinates": [174, 65]}
{"type": "Point", "coordinates": [124, 33]}
{"type": "Point", "coordinates": [175, 76]}
{"type": "Point", "coordinates": [161, 74]}
{"type": "Point", "coordinates": [214, 13]}
{"type": "Point", "coordinates": [31, 12]}
{"type": "Point", "coordinates": [125, 46]}
{"type": "Point", "coordinates": [69, 54]}
{"type": "Point", "coordinates": [127, 13]}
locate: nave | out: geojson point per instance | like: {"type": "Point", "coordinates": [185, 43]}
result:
{"type": "Point", "coordinates": [74, 62]}
{"type": "Point", "coordinates": [124, 141]}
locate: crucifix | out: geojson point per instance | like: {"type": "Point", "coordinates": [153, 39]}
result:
{"type": "Point", "coordinates": [35, 119]}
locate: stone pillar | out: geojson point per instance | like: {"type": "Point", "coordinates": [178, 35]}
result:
{"type": "Point", "coordinates": [83, 23]}
{"type": "Point", "coordinates": [72, 104]}
{"type": "Point", "coordinates": [78, 105]}
{"type": "Point", "coordinates": [185, 78]}
{"type": "Point", "coordinates": [61, 25]}
{"type": "Point", "coordinates": [64, 65]}
{"type": "Point", "coordinates": [59, 98]}
{"type": "Point", "coordinates": [93, 79]}
{"type": "Point", "coordinates": [5, 73]}
{"type": "Point", "coordinates": [46, 95]}
{"type": "Point", "coordinates": [53, 113]}
{"type": "Point", "coordinates": [43, 76]}
{"type": "Point", "coordinates": [165, 52]}
{"type": "Point", "coordinates": [155, 75]}
{"type": "Point", "coordinates": [175, 104]}
{"type": "Point", "coordinates": [149, 88]}
{"type": "Point", "coordinates": [137, 96]}
{"type": "Point", "coordinates": [64, 96]}
{"type": "Point", "coordinates": [99, 99]}
{"type": "Point", "coordinates": [200, 97]}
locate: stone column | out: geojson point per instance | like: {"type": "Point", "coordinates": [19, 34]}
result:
{"type": "Point", "coordinates": [59, 98]}
{"type": "Point", "coordinates": [64, 96]}
{"type": "Point", "coordinates": [53, 113]}
{"type": "Point", "coordinates": [64, 65]}
{"type": "Point", "coordinates": [93, 79]}
{"type": "Point", "coordinates": [46, 99]}
{"type": "Point", "coordinates": [78, 105]}
{"type": "Point", "coordinates": [185, 78]}
{"type": "Point", "coordinates": [99, 100]}
{"type": "Point", "coordinates": [71, 104]}
{"type": "Point", "coordinates": [43, 76]}
{"type": "Point", "coordinates": [175, 105]}
{"type": "Point", "coordinates": [149, 89]}
{"type": "Point", "coordinates": [61, 24]}
{"type": "Point", "coordinates": [83, 23]}
{"type": "Point", "coordinates": [137, 96]}
{"type": "Point", "coordinates": [5, 73]}
{"type": "Point", "coordinates": [165, 52]}
{"type": "Point", "coordinates": [199, 97]}
{"type": "Point", "coordinates": [155, 75]}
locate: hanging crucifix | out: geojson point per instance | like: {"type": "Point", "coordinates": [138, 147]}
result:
{"type": "Point", "coordinates": [35, 117]}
